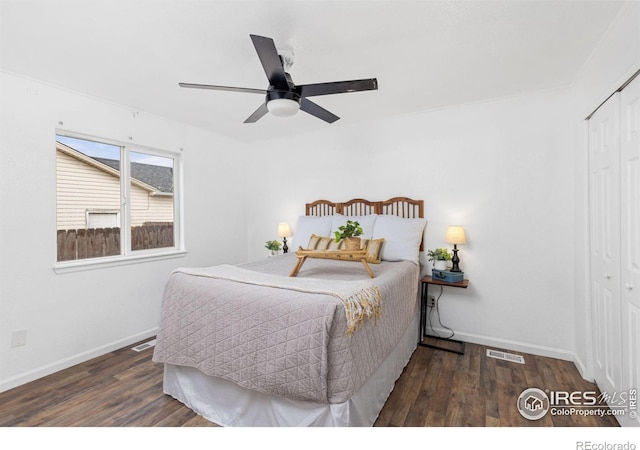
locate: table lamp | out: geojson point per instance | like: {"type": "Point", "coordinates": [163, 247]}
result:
{"type": "Point", "coordinates": [284, 231]}
{"type": "Point", "coordinates": [455, 236]}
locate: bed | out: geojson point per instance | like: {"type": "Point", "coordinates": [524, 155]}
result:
{"type": "Point", "coordinates": [247, 345]}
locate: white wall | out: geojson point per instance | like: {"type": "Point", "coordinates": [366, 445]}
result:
{"type": "Point", "coordinates": [611, 64]}
{"type": "Point", "coordinates": [503, 169]}
{"type": "Point", "coordinates": [512, 171]}
{"type": "Point", "coordinates": [71, 317]}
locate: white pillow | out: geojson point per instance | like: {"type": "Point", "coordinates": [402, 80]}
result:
{"type": "Point", "coordinates": [366, 222]}
{"type": "Point", "coordinates": [308, 225]}
{"type": "Point", "coordinates": [401, 236]}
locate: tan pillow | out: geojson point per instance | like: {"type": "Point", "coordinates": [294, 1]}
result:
{"type": "Point", "coordinates": [373, 246]}
{"type": "Point", "coordinates": [374, 249]}
{"type": "Point", "coordinates": [324, 243]}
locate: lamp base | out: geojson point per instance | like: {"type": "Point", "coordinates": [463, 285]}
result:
{"type": "Point", "coordinates": [285, 249]}
{"type": "Point", "coordinates": [455, 260]}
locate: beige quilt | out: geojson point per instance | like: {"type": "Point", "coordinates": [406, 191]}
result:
{"type": "Point", "coordinates": [279, 336]}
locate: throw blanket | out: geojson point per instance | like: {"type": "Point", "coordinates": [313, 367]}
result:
{"type": "Point", "coordinates": [361, 299]}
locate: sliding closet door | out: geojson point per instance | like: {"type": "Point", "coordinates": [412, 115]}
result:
{"type": "Point", "coordinates": [630, 248]}
{"type": "Point", "coordinates": [604, 180]}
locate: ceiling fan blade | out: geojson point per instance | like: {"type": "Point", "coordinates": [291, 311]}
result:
{"type": "Point", "coordinates": [338, 87]}
{"type": "Point", "coordinates": [270, 60]}
{"type": "Point", "coordinates": [316, 110]}
{"type": "Point", "coordinates": [222, 88]}
{"type": "Point", "coordinates": [257, 114]}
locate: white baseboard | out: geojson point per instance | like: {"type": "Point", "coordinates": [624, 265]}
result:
{"type": "Point", "coordinates": [506, 344]}
{"type": "Point", "coordinates": [583, 369]}
{"type": "Point", "coordinates": [31, 375]}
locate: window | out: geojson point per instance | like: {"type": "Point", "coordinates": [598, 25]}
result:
{"type": "Point", "coordinates": [103, 219]}
{"type": "Point", "coordinates": [103, 188]}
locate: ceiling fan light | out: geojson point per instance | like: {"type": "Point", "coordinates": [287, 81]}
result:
{"type": "Point", "coordinates": [283, 107]}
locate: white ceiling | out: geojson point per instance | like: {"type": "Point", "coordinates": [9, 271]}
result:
{"type": "Point", "coordinates": [425, 54]}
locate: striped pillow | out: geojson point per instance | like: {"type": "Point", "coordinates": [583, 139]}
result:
{"type": "Point", "coordinates": [374, 249]}
{"type": "Point", "coordinates": [372, 246]}
{"type": "Point", "coordinates": [324, 243]}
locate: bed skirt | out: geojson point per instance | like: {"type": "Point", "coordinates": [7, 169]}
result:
{"type": "Point", "coordinates": [225, 403]}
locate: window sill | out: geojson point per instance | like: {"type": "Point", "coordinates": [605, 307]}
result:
{"type": "Point", "coordinates": [114, 261]}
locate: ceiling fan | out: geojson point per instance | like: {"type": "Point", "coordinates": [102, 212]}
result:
{"type": "Point", "coordinates": [283, 97]}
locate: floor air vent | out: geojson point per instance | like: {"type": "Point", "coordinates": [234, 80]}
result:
{"type": "Point", "coordinates": [505, 356]}
{"type": "Point", "coordinates": [146, 345]}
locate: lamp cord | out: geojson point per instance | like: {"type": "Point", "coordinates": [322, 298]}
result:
{"type": "Point", "coordinates": [439, 321]}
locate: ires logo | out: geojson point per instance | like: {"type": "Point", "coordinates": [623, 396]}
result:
{"type": "Point", "coordinates": [533, 403]}
{"type": "Point", "coordinates": [576, 398]}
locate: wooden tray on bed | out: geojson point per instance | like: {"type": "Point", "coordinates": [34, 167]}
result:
{"type": "Point", "coordinates": [342, 255]}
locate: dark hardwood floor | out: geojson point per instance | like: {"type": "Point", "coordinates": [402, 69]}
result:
{"type": "Point", "coordinates": [436, 389]}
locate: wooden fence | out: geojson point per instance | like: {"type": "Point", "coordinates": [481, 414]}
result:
{"type": "Point", "coordinates": [99, 242]}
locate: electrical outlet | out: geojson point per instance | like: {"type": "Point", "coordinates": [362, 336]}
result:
{"type": "Point", "coordinates": [19, 338]}
{"type": "Point", "coordinates": [431, 301]}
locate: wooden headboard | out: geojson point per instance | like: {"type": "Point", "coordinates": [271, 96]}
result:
{"type": "Point", "coordinates": [396, 206]}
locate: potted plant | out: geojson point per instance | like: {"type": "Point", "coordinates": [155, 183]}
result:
{"type": "Point", "coordinates": [273, 247]}
{"type": "Point", "coordinates": [349, 233]}
{"type": "Point", "coordinates": [439, 256]}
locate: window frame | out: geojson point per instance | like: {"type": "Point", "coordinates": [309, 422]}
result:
{"type": "Point", "coordinates": [127, 255]}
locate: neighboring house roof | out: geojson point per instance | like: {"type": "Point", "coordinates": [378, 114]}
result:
{"type": "Point", "coordinates": [158, 180]}
{"type": "Point", "coordinates": [159, 177]}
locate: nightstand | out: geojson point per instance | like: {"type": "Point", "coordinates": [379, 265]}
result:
{"type": "Point", "coordinates": [425, 312]}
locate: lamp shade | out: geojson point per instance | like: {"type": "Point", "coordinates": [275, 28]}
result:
{"type": "Point", "coordinates": [283, 107]}
{"type": "Point", "coordinates": [455, 235]}
{"type": "Point", "coordinates": [284, 230]}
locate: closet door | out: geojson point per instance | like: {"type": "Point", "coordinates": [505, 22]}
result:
{"type": "Point", "coordinates": [630, 248]}
{"type": "Point", "coordinates": [604, 181]}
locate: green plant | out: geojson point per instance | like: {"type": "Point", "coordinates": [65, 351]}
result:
{"type": "Point", "coordinates": [273, 245]}
{"type": "Point", "coordinates": [351, 229]}
{"type": "Point", "coordinates": [439, 254]}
